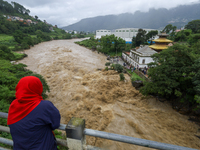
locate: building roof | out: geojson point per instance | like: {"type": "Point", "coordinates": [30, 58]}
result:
{"type": "Point", "coordinates": [145, 51]}
{"type": "Point", "coordinates": [162, 40]}
{"type": "Point", "coordinates": [158, 47]}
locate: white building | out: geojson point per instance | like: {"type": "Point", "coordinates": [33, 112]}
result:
{"type": "Point", "coordinates": [140, 57]}
{"type": "Point", "coordinates": [100, 33]}
{"type": "Point", "coordinates": [125, 33]}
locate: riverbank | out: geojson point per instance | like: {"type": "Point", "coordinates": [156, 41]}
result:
{"type": "Point", "coordinates": [105, 102]}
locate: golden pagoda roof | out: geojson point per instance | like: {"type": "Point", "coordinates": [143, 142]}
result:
{"type": "Point", "coordinates": [162, 40]}
{"type": "Point", "coordinates": [158, 47]}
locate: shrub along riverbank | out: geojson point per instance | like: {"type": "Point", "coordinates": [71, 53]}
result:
{"type": "Point", "coordinates": [109, 45]}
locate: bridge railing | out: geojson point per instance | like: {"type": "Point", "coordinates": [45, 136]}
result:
{"type": "Point", "coordinates": [76, 131]}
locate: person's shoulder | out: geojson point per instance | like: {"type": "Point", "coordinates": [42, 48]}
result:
{"type": "Point", "coordinates": [45, 103]}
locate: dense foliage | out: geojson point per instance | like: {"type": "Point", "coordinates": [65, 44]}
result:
{"type": "Point", "coordinates": [175, 71]}
{"type": "Point", "coordinates": [26, 35]}
{"type": "Point", "coordinates": [194, 26]}
{"type": "Point", "coordinates": [122, 78]}
{"type": "Point", "coordinates": [109, 44]}
{"type": "Point", "coordinates": [142, 37]}
{"type": "Point", "coordinates": [118, 68]}
{"type": "Point", "coordinates": [12, 8]}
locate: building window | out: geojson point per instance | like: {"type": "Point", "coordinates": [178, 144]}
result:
{"type": "Point", "coordinates": [131, 30]}
{"type": "Point", "coordinates": [105, 31]}
{"type": "Point", "coordinates": [116, 30]}
{"type": "Point", "coordinates": [143, 61]}
{"type": "Point", "coordinates": [123, 30]}
{"type": "Point", "coordinates": [127, 30]}
{"type": "Point", "coordinates": [119, 30]}
{"type": "Point", "coordinates": [101, 31]}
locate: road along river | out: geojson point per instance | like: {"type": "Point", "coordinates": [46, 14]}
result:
{"type": "Point", "coordinates": [78, 89]}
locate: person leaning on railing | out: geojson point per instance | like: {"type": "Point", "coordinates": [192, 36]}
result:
{"type": "Point", "coordinates": [32, 119]}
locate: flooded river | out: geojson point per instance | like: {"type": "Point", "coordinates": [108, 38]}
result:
{"type": "Point", "coordinates": [78, 89]}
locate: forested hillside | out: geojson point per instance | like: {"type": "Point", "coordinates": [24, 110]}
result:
{"type": "Point", "coordinates": [153, 19]}
{"type": "Point", "coordinates": [13, 8]}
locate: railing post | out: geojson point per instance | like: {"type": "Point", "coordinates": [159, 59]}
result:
{"type": "Point", "coordinates": [75, 134]}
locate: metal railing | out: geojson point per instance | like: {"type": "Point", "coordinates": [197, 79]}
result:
{"type": "Point", "coordinates": [105, 135]}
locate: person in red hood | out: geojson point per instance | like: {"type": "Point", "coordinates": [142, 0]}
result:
{"type": "Point", "coordinates": [32, 119]}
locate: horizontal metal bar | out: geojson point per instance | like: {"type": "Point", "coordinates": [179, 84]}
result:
{"type": "Point", "coordinates": [62, 127]}
{"type": "Point", "coordinates": [135, 141]}
{"type": "Point", "coordinates": [3, 115]}
{"type": "Point", "coordinates": [121, 138]}
{"type": "Point", "coordinates": [3, 148]}
{"type": "Point", "coordinates": [4, 129]}
{"type": "Point", "coordinates": [6, 141]}
{"type": "Point", "coordinates": [59, 141]}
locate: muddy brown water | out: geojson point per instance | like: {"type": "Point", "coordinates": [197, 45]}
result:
{"type": "Point", "coordinates": [107, 104]}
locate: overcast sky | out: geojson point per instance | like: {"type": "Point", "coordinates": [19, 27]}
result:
{"type": "Point", "coordinates": [66, 12]}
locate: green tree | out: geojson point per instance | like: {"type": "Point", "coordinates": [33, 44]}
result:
{"type": "Point", "coordinates": [19, 8]}
{"type": "Point", "coordinates": [183, 35]}
{"type": "Point", "coordinates": [122, 78]}
{"type": "Point", "coordinates": [196, 81]}
{"type": "Point", "coordinates": [133, 42]}
{"type": "Point", "coordinates": [43, 35]}
{"type": "Point", "coordinates": [5, 53]}
{"type": "Point", "coordinates": [169, 29]}
{"type": "Point", "coordinates": [194, 26]}
{"type": "Point", "coordinates": [118, 68]}
{"type": "Point", "coordinates": [140, 37]}
{"type": "Point", "coordinates": [151, 34]}
{"type": "Point", "coordinates": [170, 73]}
{"type": "Point", "coordinates": [19, 36]}
{"type": "Point", "coordinates": [67, 36]}
{"type": "Point", "coordinates": [194, 38]}
{"type": "Point", "coordinates": [112, 44]}
{"type": "Point", "coordinates": [36, 17]}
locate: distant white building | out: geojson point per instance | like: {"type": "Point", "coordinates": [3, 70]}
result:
{"type": "Point", "coordinates": [125, 33]}
{"type": "Point", "coordinates": [140, 57]}
{"type": "Point", "coordinates": [100, 33]}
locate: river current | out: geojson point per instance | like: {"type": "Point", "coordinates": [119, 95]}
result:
{"type": "Point", "coordinates": [79, 89]}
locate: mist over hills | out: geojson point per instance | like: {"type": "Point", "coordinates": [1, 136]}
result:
{"type": "Point", "coordinates": [153, 19]}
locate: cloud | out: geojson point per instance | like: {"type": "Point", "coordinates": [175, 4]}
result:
{"type": "Point", "coordinates": [63, 13]}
